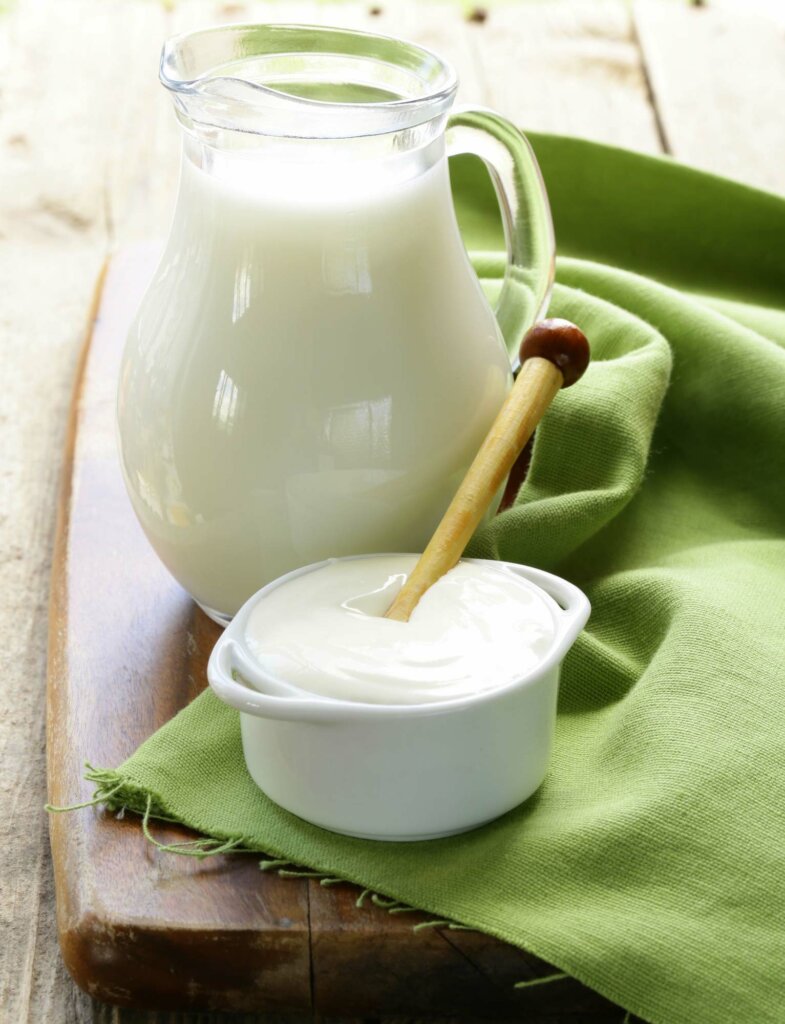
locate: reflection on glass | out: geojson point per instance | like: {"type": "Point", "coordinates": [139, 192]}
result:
{"type": "Point", "coordinates": [346, 270]}
{"type": "Point", "coordinates": [241, 299]}
{"type": "Point", "coordinates": [225, 402]}
{"type": "Point", "coordinates": [359, 434]}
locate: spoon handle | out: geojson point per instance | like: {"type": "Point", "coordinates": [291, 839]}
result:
{"type": "Point", "coordinates": [553, 354]}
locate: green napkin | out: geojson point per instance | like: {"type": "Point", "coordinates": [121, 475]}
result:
{"type": "Point", "coordinates": [651, 864]}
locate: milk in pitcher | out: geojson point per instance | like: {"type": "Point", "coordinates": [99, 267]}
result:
{"type": "Point", "coordinates": [317, 365]}
{"type": "Point", "coordinates": [314, 364]}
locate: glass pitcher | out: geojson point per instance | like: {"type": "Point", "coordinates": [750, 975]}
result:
{"type": "Point", "coordinates": [314, 364]}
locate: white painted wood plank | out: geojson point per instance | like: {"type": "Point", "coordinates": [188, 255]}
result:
{"type": "Point", "coordinates": [441, 27]}
{"type": "Point", "coordinates": [718, 77]}
{"type": "Point", "coordinates": [570, 67]}
{"type": "Point", "coordinates": [143, 153]}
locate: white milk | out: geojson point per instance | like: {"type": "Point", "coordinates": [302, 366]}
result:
{"type": "Point", "coordinates": [310, 374]}
{"type": "Point", "coordinates": [479, 627]}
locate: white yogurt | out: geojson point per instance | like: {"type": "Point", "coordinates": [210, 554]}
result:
{"type": "Point", "coordinates": [478, 628]}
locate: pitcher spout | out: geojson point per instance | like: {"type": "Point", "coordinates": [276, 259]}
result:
{"type": "Point", "coordinates": [299, 81]}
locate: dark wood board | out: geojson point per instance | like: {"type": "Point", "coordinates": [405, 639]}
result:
{"type": "Point", "coordinates": [143, 928]}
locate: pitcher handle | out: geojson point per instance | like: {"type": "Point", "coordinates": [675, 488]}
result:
{"type": "Point", "coordinates": [526, 215]}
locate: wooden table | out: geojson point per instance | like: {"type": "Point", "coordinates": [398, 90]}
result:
{"type": "Point", "coordinates": [88, 160]}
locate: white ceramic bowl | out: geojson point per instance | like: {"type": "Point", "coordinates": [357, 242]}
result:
{"type": "Point", "coordinates": [397, 772]}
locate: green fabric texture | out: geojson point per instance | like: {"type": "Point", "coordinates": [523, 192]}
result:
{"type": "Point", "coordinates": [651, 863]}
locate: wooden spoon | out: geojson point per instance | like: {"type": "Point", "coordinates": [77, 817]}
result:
{"type": "Point", "coordinates": [554, 354]}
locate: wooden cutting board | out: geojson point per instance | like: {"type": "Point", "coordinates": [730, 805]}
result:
{"type": "Point", "coordinates": [142, 928]}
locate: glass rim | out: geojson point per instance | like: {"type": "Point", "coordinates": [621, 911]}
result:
{"type": "Point", "coordinates": [226, 101]}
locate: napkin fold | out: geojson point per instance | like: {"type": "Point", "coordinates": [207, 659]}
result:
{"type": "Point", "coordinates": [651, 863]}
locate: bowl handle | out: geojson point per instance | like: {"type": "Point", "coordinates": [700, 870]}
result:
{"type": "Point", "coordinates": [254, 693]}
{"type": "Point", "coordinates": [573, 603]}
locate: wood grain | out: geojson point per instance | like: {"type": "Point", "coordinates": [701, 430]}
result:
{"type": "Point", "coordinates": [718, 76]}
{"type": "Point", "coordinates": [368, 963]}
{"type": "Point", "coordinates": [570, 67]}
{"type": "Point", "coordinates": [127, 650]}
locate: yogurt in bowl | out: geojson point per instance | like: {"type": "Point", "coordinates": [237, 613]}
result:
{"type": "Point", "coordinates": [399, 730]}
